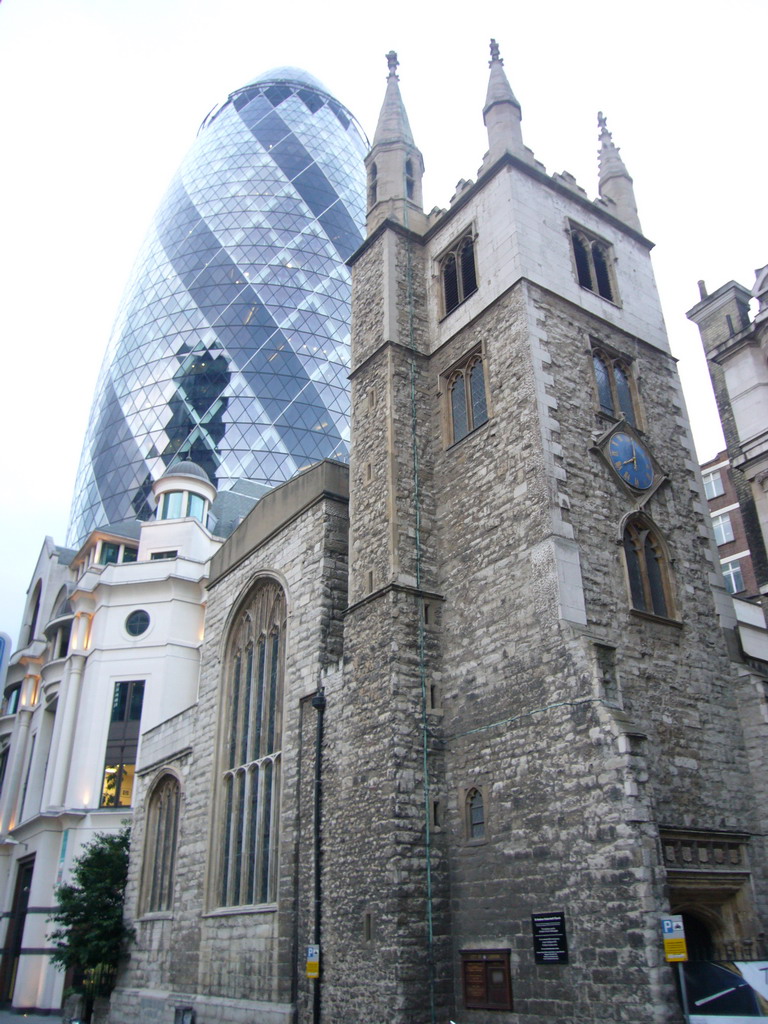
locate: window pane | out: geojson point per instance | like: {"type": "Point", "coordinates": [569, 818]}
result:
{"type": "Point", "coordinates": [603, 380]}
{"type": "Point", "coordinates": [109, 785]}
{"type": "Point", "coordinates": [601, 271]}
{"type": "Point", "coordinates": [713, 484]}
{"type": "Point", "coordinates": [655, 579]}
{"type": "Point", "coordinates": [734, 581]}
{"type": "Point", "coordinates": [172, 505]}
{"type": "Point", "coordinates": [633, 572]}
{"type": "Point", "coordinates": [476, 815]}
{"type": "Point", "coordinates": [621, 377]}
{"type": "Point", "coordinates": [120, 702]}
{"type": "Point", "coordinates": [109, 553]}
{"type": "Point", "coordinates": [450, 284]}
{"type": "Point", "coordinates": [459, 408]}
{"type": "Point", "coordinates": [137, 700]}
{"type": "Point", "coordinates": [477, 390]}
{"type": "Point", "coordinates": [130, 554]}
{"type": "Point", "coordinates": [723, 528]}
{"type": "Point", "coordinates": [468, 277]}
{"type": "Point", "coordinates": [196, 507]}
{"type": "Point", "coordinates": [581, 256]}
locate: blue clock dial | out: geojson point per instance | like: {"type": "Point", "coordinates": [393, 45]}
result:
{"type": "Point", "coordinates": [631, 460]}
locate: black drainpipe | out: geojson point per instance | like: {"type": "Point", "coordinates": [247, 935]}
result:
{"type": "Point", "coordinates": [318, 703]}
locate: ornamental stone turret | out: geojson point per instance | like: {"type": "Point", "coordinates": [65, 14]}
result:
{"type": "Point", "coordinates": [502, 113]}
{"type": "Point", "coordinates": [395, 166]}
{"type": "Point", "coordinates": [615, 184]}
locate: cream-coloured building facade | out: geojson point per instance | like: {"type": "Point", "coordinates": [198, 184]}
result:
{"type": "Point", "coordinates": [110, 645]}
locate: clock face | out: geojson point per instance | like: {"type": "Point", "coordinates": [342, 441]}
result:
{"type": "Point", "coordinates": [631, 460]}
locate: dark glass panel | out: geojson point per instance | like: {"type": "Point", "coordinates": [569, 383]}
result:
{"type": "Point", "coordinates": [655, 576]}
{"type": "Point", "coordinates": [246, 705]}
{"type": "Point", "coordinates": [450, 283]}
{"type": "Point", "coordinates": [477, 391]}
{"type": "Point", "coordinates": [137, 622]}
{"type": "Point", "coordinates": [120, 702]}
{"type": "Point", "coordinates": [468, 276]}
{"type": "Point", "coordinates": [459, 407]}
{"type": "Point", "coordinates": [253, 838]}
{"type": "Point", "coordinates": [137, 701]}
{"type": "Point", "coordinates": [476, 815]}
{"type": "Point", "coordinates": [234, 720]}
{"type": "Point", "coordinates": [624, 392]}
{"type": "Point", "coordinates": [603, 381]}
{"type": "Point", "coordinates": [109, 553]}
{"type": "Point", "coordinates": [238, 837]}
{"type": "Point", "coordinates": [226, 867]}
{"type": "Point", "coordinates": [273, 674]}
{"type": "Point", "coordinates": [581, 255]}
{"type": "Point", "coordinates": [261, 655]}
{"type": "Point", "coordinates": [601, 271]}
{"type": "Point", "coordinates": [266, 831]}
{"type": "Point", "coordinates": [633, 570]}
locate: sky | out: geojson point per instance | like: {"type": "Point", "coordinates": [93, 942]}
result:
{"type": "Point", "coordinates": [100, 100]}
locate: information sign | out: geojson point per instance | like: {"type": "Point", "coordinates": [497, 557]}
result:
{"type": "Point", "coordinates": [550, 944]}
{"type": "Point", "coordinates": [673, 933]}
{"type": "Point", "coordinates": [313, 961]}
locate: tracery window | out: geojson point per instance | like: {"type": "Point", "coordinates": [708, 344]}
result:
{"type": "Point", "coordinates": [467, 397]}
{"type": "Point", "coordinates": [162, 831]}
{"type": "Point", "coordinates": [615, 387]}
{"type": "Point", "coordinates": [458, 273]}
{"type": "Point", "coordinates": [647, 568]}
{"type": "Point", "coordinates": [251, 756]}
{"type": "Point", "coordinates": [594, 258]}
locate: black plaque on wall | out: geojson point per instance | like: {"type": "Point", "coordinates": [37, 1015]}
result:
{"type": "Point", "coordinates": [550, 944]}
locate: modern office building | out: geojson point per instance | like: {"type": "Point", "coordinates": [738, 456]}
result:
{"type": "Point", "coordinates": [231, 346]}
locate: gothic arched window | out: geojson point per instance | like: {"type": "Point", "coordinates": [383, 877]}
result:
{"type": "Point", "coordinates": [615, 389]}
{"type": "Point", "coordinates": [593, 258]}
{"type": "Point", "coordinates": [475, 814]}
{"type": "Point", "coordinates": [458, 273]}
{"type": "Point", "coordinates": [160, 858]}
{"type": "Point", "coordinates": [647, 568]}
{"type": "Point", "coordinates": [250, 758]}
{"type": "Point", "coordinates": [468, 402]}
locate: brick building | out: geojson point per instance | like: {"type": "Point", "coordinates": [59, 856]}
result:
{"type": "Point", "coordinates": [728, 527]}
{"type": "Point", "coordinates": [501, 702]}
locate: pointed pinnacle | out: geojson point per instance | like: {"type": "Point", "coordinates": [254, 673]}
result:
{"type": "Point", "coordinates": [609, 157]}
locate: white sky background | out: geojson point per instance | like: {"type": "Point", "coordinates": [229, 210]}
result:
{"type": "Point", "coordinates": [100, 100]}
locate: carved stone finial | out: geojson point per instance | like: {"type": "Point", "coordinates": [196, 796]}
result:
{"type": "Point", "coordinates": [495, 57]}
{"type": "Point", "coordinates": [393, 64]}
{"type": "Point", "coordinates": [602, 124]}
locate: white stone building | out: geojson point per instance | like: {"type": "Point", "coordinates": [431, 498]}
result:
{"type": "Point", "coordinates": [110, 646]}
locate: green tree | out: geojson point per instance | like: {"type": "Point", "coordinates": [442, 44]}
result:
{"type": "Point", "coordinates": [91, 935]}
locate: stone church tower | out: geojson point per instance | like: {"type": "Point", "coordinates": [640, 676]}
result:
{"type": "Point", "coordinates": [467, 719]}
{"type": "Point", "coordinates": [537, 714]}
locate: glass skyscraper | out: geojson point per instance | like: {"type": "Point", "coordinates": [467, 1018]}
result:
{"type": "Point", "coordinates": [231, 347]}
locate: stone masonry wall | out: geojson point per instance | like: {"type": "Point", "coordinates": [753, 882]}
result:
{"type": "Point", "coordinates": [235, 965]}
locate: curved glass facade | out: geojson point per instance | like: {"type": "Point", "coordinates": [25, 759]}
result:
{"type": "Point", "coordinates": [231, 347]}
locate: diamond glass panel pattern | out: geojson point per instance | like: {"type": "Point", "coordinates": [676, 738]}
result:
{"type": "Point", "coordinates": [231, 344]}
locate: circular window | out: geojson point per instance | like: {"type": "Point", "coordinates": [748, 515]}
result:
{"type": "Point", "coordinates": [137, 623]}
